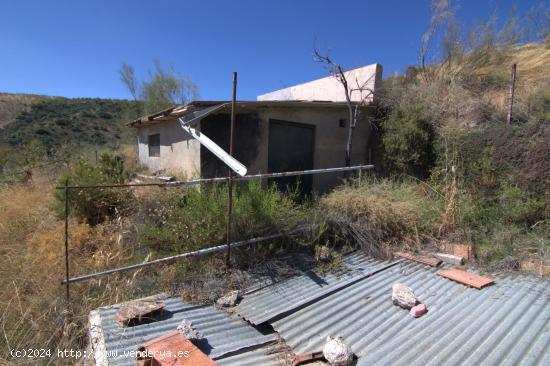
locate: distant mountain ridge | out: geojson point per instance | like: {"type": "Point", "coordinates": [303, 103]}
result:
{"type": "Point", "coordinates": [57, 121]}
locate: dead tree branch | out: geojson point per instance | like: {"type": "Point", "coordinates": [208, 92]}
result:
{"type": "Point", "coordinates": [337, 71]}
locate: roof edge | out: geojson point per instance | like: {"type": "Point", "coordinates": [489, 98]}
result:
{"type": "Point", "coordinates": [176, 112]}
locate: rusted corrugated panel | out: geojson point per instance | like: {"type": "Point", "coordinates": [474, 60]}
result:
{"type": "Point", "coordinates": [504, 324]}
{"type": "Point", "coordinates": [225, 334]}
{"type": "Point", "coordinates": [280, 298]}
{"type": "Point", "coordinates": [466, 278]}
{"type": "Point", "coordinates": [430, 261]}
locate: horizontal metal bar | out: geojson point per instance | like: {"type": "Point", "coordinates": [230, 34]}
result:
{"type": "Point", "coordinates": [223, 179]}
{"type": "Point", "coordinates": [196, 253]}
{"type": "Point", "coordinates": [304, 172]}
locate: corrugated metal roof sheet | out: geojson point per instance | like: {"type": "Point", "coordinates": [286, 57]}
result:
{"type": "Point", "coordinates": [266, 356]}
{"type": "Point", "coordinates": [507, 323]}
{"type": "Point", "coordinates": [282, 297]}
{"type": "Point", "coordinates": [225, 334]}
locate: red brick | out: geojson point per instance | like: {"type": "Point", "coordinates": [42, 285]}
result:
{"type": "Point", "coordinates": [466, 278]}
{"type": "Point", "coordinates": [173, 344]}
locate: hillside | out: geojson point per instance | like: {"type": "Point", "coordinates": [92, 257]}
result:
{"type": "Point", "coordinates": [483, 77]}
{"type": "Point", "coordinates": [57, 121]}
{"type": "Point", "coordinates": [13, 104]}
{"type": "Point", "coordinates": [532, 60]}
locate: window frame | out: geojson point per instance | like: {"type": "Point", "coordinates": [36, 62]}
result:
{"type": "Point", "coordinates": [153, 149]}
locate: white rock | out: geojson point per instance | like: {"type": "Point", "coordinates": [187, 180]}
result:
{"type": "Point", "coordinates": [187, 329]}
{"type": "Point", "coordinates": [229, 299]}
{"type": "Point", "coordinates": [403, 296]}
{"type": "Point", "coordinates": [337, 352]}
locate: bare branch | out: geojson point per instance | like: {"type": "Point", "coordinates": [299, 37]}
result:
{"type": "Point", "coordinates": [354, 109]}
{"type": "Point", "coordinates": [440, 13]}
{"type": "Point", "coordinates": [128, 77]}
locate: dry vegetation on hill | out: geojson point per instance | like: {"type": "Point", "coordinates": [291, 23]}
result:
{"type": "Point", "coordinates": [13, 104]}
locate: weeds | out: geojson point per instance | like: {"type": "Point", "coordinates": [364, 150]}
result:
{"type": "Point", "coordinates": [95, 205]}
{"type": "Point", "coordinates": [381, 216]}
{"type": "Point", "coordinates": [191, 218]}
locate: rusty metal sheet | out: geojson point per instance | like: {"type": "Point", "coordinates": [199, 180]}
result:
{"type": "Point", "coordinates": [466, 278]}
{"type": "Point", "coordinates": [307, 358]}
{"type": "Point", "coordinates": [430, 261]}
{"type": "Point", "coordinates": [172, 349]}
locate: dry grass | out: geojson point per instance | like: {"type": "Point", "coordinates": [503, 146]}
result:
{"type": "Point", "coordinates": [33, 313]}
{"type": "Point", "coordinates": [13, 104]}
{"type": "Point", "coordinates": [533, 62]}
{"type": "Point", "coordinates": [468, 93]}
{"type": "Point", "coordinates": [33, 310]}
{"type": "Point", "coordinates": [382, 216]}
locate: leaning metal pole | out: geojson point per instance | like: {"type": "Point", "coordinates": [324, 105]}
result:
{"type": "Point", "coordinates": [196, 253]}
{"type": "Point", "coordinates": [230, 176]}
{"type": "Point", "coordinates": [67, 239]}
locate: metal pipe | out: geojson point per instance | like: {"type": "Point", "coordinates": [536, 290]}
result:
{"type": "Point", "coordinates": [223, 179]}
{"type": "Point", "coordinates": [305, 172]}
{"type": "Point", "coordinates": [196, 253]}
{"type": "Point", "coordinates": [67, 238]}
{"type": "Point", "coordinates": [230, 177]}
{"type": "Point", "coordinates": [511, 97]}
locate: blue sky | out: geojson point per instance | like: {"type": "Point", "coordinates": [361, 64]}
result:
{"type": "Point", "coordinates": [74, 48]}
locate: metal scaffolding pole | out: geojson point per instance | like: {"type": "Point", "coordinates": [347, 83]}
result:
{"type": "Point", "coordinates": [230, 176]}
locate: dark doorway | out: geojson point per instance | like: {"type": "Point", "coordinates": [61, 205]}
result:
{"type": "Point", "coordinates": [247, 138]}
{"type": "Point", "coordinates": [291, 148]}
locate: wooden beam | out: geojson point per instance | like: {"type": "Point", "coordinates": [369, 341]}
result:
{"type": "Point", "coordinates": [430, 261]}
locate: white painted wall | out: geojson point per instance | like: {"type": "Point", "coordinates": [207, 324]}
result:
{"type": "Point", "coordinates": [330, 89]}
{"type": "Point", "coordinates": [179, 152]}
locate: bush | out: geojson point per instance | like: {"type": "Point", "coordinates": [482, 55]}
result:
{"type": "Point", "coordinates": [408, 139]}
{"type": "Point", "coordinates": [95, 205]}
{"type": "Point", "coordinates": [195, 218]}
{"type": "Point", "coordinates": [516, 153]}
{"type": "Point", "coordinates": [382, 215]}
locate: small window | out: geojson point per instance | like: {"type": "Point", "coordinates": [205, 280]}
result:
{"type": "Point", "coordinates": [154, 145]}
{"type": "Point", "coordinates": [342, 123]}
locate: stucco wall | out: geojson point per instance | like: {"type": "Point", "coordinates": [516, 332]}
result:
{"type": "Point", "coordinates": [330, 89]}
{"type": "Point", "coordinates": [330, 140]}
{"type": "Point", "coordinates": [179, 152]}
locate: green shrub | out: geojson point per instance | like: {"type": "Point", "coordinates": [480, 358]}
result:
{"type": "Point", "coordinates": [96, 205]}
{"type": "Point", "coordinates": [519, 206]}
{"type": "Point", "coordinates": [192, 218]}
{"type": "Point", "coordinates": [497, 241]}
{"type": "Point", "coordinates": [408, 141]}
{"type": "Point", "coordinates": [499, 151]}
{"type": "Point", "coordinates": [506, 221]}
